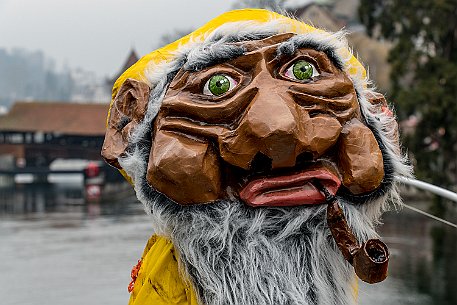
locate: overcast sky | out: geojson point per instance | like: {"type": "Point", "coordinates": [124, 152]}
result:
{"type": "Point", "coordinates": [97, 34]}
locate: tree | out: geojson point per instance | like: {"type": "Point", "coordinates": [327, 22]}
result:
{"type": "Point", "coordinates": [26, 75]}
{"type": "Point", "coordinates": [268, 4]}
{"type": "Point", "coordinates": [424, 77]}
{"type": "Point", "coordinates": [172, 36]}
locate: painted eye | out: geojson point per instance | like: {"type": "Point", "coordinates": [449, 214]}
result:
{"type": "Point", "coordinates": [219, 84]}
{"type": "Point", "coordinates": [301, 70]}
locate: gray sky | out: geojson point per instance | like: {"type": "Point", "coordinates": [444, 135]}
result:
{"type": "Point", "coordinates": [97, 35]}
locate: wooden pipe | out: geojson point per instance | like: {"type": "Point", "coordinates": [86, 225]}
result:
{"type": "Point", "coordinates": [370, 259]}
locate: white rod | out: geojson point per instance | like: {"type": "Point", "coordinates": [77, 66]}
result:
{"type": "Point", "coordinates": [431, 216]}
{"type": "Point", "coordinates": [428, 187]}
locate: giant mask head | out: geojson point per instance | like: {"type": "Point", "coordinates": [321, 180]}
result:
{"type": "Point", "coordinates": [237, 136]}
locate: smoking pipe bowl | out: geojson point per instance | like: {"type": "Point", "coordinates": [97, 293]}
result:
{"type": "Point", "coordinates": [370, 259]}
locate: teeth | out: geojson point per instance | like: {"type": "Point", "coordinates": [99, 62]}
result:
{"type": "Point", "coordinates": [230, 193]}
{"type": "Point", "coordinates": [308, 187]}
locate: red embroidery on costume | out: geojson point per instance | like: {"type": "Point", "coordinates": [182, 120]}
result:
{"type": "Point", "coordinates": [134, 274]}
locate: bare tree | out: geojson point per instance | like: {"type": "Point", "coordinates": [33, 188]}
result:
{"type": "Point", "coordinates": [268, 4]}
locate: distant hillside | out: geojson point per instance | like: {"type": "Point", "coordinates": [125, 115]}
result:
{"type": "Point", "coordinates": [30, 75]}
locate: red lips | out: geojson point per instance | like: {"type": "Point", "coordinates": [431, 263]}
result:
{"type": "Point", "coordinates": [290, 190]}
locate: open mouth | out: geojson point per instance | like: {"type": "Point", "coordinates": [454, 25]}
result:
{"type": "Point", "coordinates": [294, 189]}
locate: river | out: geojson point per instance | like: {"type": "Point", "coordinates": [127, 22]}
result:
{"type": "Point", "coordinates": [56, 251]}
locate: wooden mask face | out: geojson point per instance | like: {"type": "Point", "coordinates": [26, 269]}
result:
{"type": "Point", "coordinates": [263, 127]}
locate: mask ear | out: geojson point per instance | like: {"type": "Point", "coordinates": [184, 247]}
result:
{"type": "Point", "coordinates": [380, 106]}
{"type": "Point", "coordinates": [126, 112]}
{"type": "Point", "coordinates": [379, 102]}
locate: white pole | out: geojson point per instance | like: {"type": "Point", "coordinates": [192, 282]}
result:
{"type": "Point", "coordinates": [428, 187]}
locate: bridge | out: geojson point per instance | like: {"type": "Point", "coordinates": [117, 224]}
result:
{"type": "Point", "coordinates": [33, 135]}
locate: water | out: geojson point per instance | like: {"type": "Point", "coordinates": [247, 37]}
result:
{"type": "Point", "coordinates": [57, 251]}
{"type": "Point", "coordinates": [422, 267]}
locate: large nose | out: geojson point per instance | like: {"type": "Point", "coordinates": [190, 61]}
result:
{"type": "Point", "coordinates": [279, 128]}
{"type": "Point", "coordinates": [273, 121]}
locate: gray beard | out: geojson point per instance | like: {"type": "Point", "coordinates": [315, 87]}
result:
{"type": "Point", "coordinates": [235, 254]}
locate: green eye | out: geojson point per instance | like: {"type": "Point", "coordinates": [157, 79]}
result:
{"type": "Point", "coordinates": [301, 70]}
{"type": "Point", "coordinates": [219, 84]}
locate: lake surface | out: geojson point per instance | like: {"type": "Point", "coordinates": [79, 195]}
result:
{"type": "Point", "coordinates": [57, 251]}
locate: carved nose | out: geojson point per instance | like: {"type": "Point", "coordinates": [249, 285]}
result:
{"type": "Point", "coordinates": [273, 121]}
{"type": "Point", "coordinates": [275, 126]}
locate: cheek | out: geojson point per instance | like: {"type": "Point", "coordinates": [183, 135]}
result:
{"type": "Point", "coordinates": [319, 133]}
{"type": "Point", "coordinates": [360, 159]}
{"type": "Point", "coordinates": [183, 169]}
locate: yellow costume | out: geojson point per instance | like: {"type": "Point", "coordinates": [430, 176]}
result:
{"type": "Point", "coordinates": [159, 281]}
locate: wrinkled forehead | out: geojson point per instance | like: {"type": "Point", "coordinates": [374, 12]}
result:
{"type": "Point", "coordinates": [249, 52]}
{"type": "Point", "coordinates": [272, 42]}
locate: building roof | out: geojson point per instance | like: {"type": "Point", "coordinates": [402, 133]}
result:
{"type": "Point", "coordinates": [318, 15]}
{"type": "Point", "coordinates": [56, 117]}
{"type": "Point", "coordinates": [131, 59]}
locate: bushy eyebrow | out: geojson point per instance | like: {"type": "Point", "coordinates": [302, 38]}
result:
{"type": "Point", "coordinates": [210, 55]}
{"type": "Point", "coordinates": [289, 47]}
{"type": "Point", "coordinates": [221, 48]}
